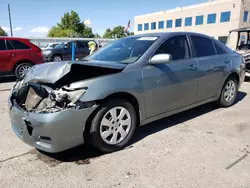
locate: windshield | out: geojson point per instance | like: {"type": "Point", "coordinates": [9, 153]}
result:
{"type": "Point", "coordinates": [61, 45]}
{"type": "Point", "coordinates": [125, 50]}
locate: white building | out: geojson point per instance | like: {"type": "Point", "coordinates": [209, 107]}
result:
{"type": "Point", "coordinates": [215, 18]}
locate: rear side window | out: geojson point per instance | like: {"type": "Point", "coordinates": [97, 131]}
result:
{"type": "Point", "coordinates": [2, 45]}
{"type": "Point", "coordinates": [18, 45]}
{"type": "Point", "coordinates": [203, 46]}
{"type": "Point", "coordinates": [219, 50]}
{"type": "Point", "coordinates": [9, 46]}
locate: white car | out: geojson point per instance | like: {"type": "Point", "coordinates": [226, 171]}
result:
{"type": "Point", "coordinates": [50, 46]}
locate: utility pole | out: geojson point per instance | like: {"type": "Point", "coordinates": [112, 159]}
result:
{"type": "Point", "coordinates": [11, 33]}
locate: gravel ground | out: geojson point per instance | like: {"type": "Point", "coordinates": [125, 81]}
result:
{"type": "Point", "coordinates": [189, 150]}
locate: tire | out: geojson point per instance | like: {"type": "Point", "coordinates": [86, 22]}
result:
{"type": "Point", "coordinates": [225, 100]}
{"type": "Point", "coordinates": [56, 58]}
{"type": "Point", "coordinates": [113, 130]}
{"type": "Point", "coordinates": [22, 69]}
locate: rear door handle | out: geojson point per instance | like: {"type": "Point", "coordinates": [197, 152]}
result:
{"type": "Point", "coordinates": [227, 61]}
{"type": "Point", "coordinates": [192, 67]}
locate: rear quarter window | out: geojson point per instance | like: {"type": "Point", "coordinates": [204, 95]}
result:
{"type": "Point", "coordinates": [219, 49]}
{"type": "Point", "coordinates": [203, 46]}
{"type": "Point", "coordinates": [19, 45]}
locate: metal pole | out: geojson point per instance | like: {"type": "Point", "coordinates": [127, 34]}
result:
{"type": "Point", "coordinates": [73, 51]}
{"type": "Point", "coordinates": [11, 33]}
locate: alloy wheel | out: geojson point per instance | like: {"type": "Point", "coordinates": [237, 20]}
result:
{"type": "Point", "coordinates": [115, 125]}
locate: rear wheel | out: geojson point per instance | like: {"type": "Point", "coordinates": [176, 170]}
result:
{"type": "Point", "coordinates": [113, 126]}
{"type": "Point", "coordinates": [229, 92]}
{"type": "Point", "coordinates": [22, 69]}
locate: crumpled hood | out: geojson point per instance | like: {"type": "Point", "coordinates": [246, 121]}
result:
{"type": "Point", "coordinates": [53, 72]}
{"type": "Point", "coordinates": [243, 52]}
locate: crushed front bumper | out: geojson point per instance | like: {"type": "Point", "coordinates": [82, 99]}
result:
{"type": "Point", "coordinates": [50, 132]}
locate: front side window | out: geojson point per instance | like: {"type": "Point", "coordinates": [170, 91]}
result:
{"type": "Point", "coordinates": [188, 21]}
{"type": "Point", "coordinates": [153, 25]}
{"type": "Point", "coordinates": [199, 20]}
{"type": "Point", "coordinates": [211, 18]}
{"type": "Point", "coordinates": [18, 45]}
{"type": "Point", "coordinates": [146, 26]}
{"type": "Point", "coordinates": [161, 25]}
{"type": "Point", "coordinates": [245, 17]}
{"type": "Point", "coordinates": [177, 46]}
{"type": "Point", "coordinates": [2, 45]}
{"type": "Point", "coordinates": [225, 16]}
{"type": "Point", "coordinates": [178, 22]}
{"type": "Point", "coordinates": [82, 45]}
{"type": "Point", "coordinates": [169, 23]}
{"type": "Point", "coordinates": [203, 46]}
{"type": "Point", "coordinates": [124, 50]}
{"type": "Point", "coordinates": [139, 27]}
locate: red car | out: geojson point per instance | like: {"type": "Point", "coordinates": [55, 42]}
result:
{"type": "Point", "coordinates": [17, 55]}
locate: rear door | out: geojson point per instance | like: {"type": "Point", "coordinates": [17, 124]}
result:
{"type": "Point", "coordinates": [5, 57]}
{"type": "Point", "coordinates": [212, 65]}
{"type": "Point", "coordinates": [19, 50]}
{"type": "Point", "coordinates": [82, 49]}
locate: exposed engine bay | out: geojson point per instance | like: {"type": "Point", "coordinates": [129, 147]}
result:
{"type": "Point", "coordinates": [40, 94]}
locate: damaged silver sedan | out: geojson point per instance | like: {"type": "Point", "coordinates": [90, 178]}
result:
{"type": "Point", "coordinates": [130, 82]}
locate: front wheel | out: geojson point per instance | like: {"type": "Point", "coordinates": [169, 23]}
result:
{"type": "Point", "coordinates": [56, 58]}
{"type": "Point", "coordinates": [229, 92]}
{"type": "Point", "coordinates": [113, 126]}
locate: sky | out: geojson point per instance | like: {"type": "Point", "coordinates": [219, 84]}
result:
{"type": "Point", "coordinates": [33, 18]}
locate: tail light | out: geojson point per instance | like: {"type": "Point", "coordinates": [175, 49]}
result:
{"type": "Point", "coordinates": [243, 63]}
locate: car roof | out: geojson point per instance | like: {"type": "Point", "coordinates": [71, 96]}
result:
{"type": "Point", "coordinates": [165, 34]}
{"type": "Point", "coordinates": [15, 38]}
{"type": "Point", "coordinates": [240, 29]}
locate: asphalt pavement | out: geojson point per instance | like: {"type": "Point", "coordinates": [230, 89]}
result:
{"type": "Point", "coordinates": [206, 147]}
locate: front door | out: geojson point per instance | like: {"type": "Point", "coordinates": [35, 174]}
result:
{"type": "Point", "coordinates": [173, 85]}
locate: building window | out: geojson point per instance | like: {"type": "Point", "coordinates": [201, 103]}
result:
{"type": "Point", "coordinates": [153, 25]}
{"type": "Point", "coordinates": [161, 25]}
{"type": "Point", "coordinates": [188, 21]}
{"type": "Point", "coordinates": [225, 16]}
{"type": "Point", "coordinates": [146, 26]}
{"type": "Point", "coordinates": [199, 20]}
{"type": "Point", "coordinates": [245, 19]}
{"type": "Point", "coordinates": [139, 27]}
{"type": "Point", "coordinates": [169, 23]}
{"type": "Point", "coordinates": [178, 22]}
{"type": "Point", "coordinates": [211, 18]}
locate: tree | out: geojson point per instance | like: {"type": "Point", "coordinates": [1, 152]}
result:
{"type": "Point", "coordinates": [117, 32]}
{"type": "Point", "coordinates": [108, 34]}
{"type": "Point", "coordinates": [2, 32]}
{"type": "Point", "coordinates": [71, 26]}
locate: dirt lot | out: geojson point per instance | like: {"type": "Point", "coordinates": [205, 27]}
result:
{"type": "Point", "coordinates": [195, 149]}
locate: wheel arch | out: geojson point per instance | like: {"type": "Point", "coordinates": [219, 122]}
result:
{"type": "Point", "coordinates": [122, 95]}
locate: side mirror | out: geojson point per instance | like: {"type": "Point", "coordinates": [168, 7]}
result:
{"type": "Point", "coordinates": [161, 59]}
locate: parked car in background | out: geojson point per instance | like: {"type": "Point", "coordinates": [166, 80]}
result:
{"type": "Point", "coordinates": [239, 41]}
{"type": "Point", "coordinates": [128, 83]}
{"type": "Point", "coordinates": [17, 55]}
{"type": "Point", "coordinates": [63, 51]}
{"type": "Point", "coordinates": [50, 46]}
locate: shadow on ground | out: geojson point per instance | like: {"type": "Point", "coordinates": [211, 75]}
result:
{"type": "Point", "coordinates": [83, 154]}
{"type": "Point", "coordinates": [7, 79]}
